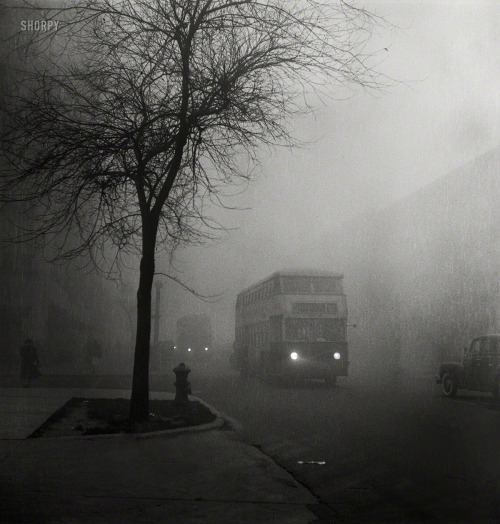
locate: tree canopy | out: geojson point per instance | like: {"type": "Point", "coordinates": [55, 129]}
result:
{"type": "Point", "coordinates": [134, 111]}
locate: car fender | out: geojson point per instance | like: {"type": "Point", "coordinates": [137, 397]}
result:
{"type": "Point", "coordinates": [454, 368]}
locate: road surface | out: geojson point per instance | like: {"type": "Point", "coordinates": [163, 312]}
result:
{"type": "Point", "coordinates": [370, 449]}
{"type": "Point", "coordinates": [373, 450]}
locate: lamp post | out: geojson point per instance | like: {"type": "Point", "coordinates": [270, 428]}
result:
{"type": "Point", "coordinates": [156, 332]}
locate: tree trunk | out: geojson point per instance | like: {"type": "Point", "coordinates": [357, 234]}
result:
{"type": "Point", "coordinates": [139, 401]}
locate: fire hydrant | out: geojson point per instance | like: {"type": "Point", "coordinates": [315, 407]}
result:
{"type": "Point", "coordinates": [182, 386]}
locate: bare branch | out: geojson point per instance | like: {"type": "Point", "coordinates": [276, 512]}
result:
{"type": "Point", "coordinates": [135, 113]}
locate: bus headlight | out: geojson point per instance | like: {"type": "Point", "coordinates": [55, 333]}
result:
{"type": "Point", "coordinates": [294, 355]}
{"type": "Point", "coordinates": [336, 355]}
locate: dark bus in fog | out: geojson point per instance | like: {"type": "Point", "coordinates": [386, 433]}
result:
{"type": "Point", "coordinates": [194, 337]}
{"type": "Point", "coordinates": [293, 323]}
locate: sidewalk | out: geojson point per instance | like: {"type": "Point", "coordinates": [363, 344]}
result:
{"type": "Point", "coordinates": [196, 476]}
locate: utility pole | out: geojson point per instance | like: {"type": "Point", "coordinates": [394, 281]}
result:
{"type": "Point", "coordinates": [156, 333]}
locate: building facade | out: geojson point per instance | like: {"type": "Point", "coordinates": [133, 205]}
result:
{"type": "Point", "coordinates": [423, 275]}
{"type": "Point", "coordinates": [57, 305]}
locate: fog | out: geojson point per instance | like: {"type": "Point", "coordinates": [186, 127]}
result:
{"type": "Point", "coordinates": [398, 190]}
{"type": "Point", "coordinates": [364, 152]}
{"type": "Point", "coordinates": [340, 202]}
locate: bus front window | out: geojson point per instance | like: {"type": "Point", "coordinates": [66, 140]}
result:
{"type": "Point", "coordinates": [313, 329]}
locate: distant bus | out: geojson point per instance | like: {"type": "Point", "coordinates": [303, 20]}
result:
{"type": "Point", "coordinates": [194, 337]}
{"type": "Point", "coordinates": [293, 323]}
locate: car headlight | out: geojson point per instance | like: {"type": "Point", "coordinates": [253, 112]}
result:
{"type": "Point", "coordinates": [189, 349]}
{"type": "Point", "coordinates": [294, 355]}
{"type": "Point", "coordinates": [336, 355]}
{"type": "Point", "coordinates": [206, 349]}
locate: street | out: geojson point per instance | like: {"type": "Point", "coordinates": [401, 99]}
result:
{"type": "Point", "coordinates": [372, 450]}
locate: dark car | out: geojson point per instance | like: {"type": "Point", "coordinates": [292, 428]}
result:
{"type": "Point", "coordinates": [479, 370]}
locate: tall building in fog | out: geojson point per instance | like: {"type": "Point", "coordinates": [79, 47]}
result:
{"type": "Point", "coordinates": [423, 276]}
{"type": "Point", "coordinates": [56, 305]}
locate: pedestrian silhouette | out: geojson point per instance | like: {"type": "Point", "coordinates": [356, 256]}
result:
{"type": "Point", "coordinates": [29, 362]}
{"type": "Point", "coordinates": [92, 351]}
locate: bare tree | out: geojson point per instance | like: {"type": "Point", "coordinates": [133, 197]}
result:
{"type": "Point", "coordinates": [137, 110]}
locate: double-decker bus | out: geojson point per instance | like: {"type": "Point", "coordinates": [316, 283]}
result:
{"type": "Point", "coordinates": [194, 337]}
{"type": "Point", "coordinates": [293, 323]}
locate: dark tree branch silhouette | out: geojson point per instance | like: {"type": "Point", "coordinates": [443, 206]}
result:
{"type": "Point", "coordinates": [135, 111]}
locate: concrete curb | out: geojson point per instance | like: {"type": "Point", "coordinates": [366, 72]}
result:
{"type": "Point", "coordinates": [217, 423]}
{"type": "Point", "coordinates": [233, 423]}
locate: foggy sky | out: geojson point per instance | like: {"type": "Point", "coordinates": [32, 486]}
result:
{"type": "Point", "coordinates": [369, 150]}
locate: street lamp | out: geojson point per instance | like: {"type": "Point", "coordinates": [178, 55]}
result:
{"type": "Point", "coordinates": [156, 337]}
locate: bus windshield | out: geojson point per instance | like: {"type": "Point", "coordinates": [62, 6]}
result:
{"type": "Point", "coordinates": [300, 284]}
{"type": "Point", "coordinates": [313, 329]}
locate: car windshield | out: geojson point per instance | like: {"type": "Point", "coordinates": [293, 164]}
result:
{"type": "Point", "coordinates": [483, 347]}
{"type": "Point", "coordinates": [489, 347]}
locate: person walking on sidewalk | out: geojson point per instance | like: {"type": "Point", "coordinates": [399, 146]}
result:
{"type": "Point", "coordinates": [92, 351]}
{"type": "Point", "coordinates": [29, 362]}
